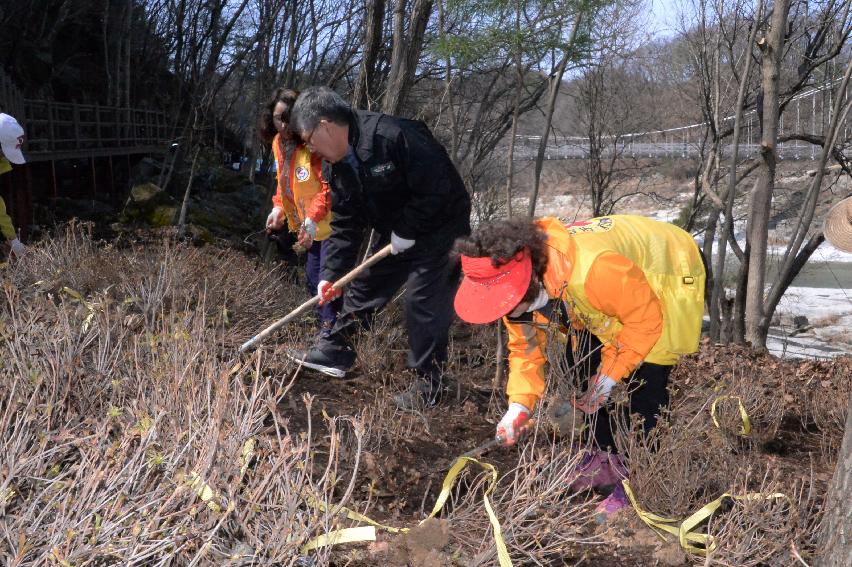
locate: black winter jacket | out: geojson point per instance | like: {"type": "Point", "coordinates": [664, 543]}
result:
{"type": "Point", "coordinates": [405, 183]}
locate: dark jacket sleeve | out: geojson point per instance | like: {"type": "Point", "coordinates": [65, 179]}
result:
{"type": "Point", "coordinates": [347, 231]}
{"type": "Point", "coordinates": [428, 171]}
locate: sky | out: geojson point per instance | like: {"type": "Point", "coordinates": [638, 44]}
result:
{"type": "Point", "coordinates": [664, 15]}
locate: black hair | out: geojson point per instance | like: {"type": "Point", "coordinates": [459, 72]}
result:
{"type": "Point", "coordinates": [266, 126]}
{"type": "Point", "coordinates": [501, 240]}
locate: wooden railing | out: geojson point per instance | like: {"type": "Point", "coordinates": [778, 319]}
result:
{"type": "Point", "coordinates": [62, 128]}
{"type": "Point", "coordinates": [58, 130]}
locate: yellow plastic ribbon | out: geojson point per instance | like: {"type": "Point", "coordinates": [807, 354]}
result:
{"type": "Point", "coordinates": [449, 480]}
{"type": "Point", "coordinates": [348, 536]}
{"type": "Point", "coordinates": [745, 428]}
{"type": "Point", "coordinates": [684, 530]}
{"type": "Point", "coordinates": [337, 537]}
{"type": "Point", "coordinates": [352, 515]}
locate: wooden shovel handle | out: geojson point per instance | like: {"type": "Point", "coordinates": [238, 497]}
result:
{"type": "Point", "coordinates": [306, 306]}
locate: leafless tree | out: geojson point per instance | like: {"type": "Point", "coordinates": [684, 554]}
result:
{"type": "Point", "coordinates": [791, 43]}
{"type": "Point", "coordinates": [833, 27]}
{"type": "Point", "coordinates": [610, 101]}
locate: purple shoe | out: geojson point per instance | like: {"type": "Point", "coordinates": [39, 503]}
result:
{"type": "Point", "coordinates": [598, 470]}
{"type": "Point", "coordinates": [612, 504]}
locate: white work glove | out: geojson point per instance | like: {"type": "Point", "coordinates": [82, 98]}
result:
{"type": "Point", "coordinates": [512, 425]}
{"type": "Point", "coordinates": [600, 387]}
{"type": "Point", "coordinates": [18, 248]}
{"type": "Point", "coordinates": [275, 220]}
{"type": "Point", "coordinates": [310, 227]}
{"type": "Point", "coordinates": [400, 244]}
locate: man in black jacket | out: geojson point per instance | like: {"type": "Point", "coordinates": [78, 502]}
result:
{"type": "Point", "coordinates": [391, 175]}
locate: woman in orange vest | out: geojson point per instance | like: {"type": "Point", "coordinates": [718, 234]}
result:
{"type": "Point", "coordinates": [302, 199]}
{"type": "Point", "coordinates": [634, 289]}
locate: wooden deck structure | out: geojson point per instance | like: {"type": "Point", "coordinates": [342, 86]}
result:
{"type": "Point", "coordinates": [57, 130]}
{"type": "Point", "coordinates": [71, 137]}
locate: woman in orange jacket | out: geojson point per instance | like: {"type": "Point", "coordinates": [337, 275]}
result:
{"type": "Point", "coordinates": [632, 286]}
{"type": "Point", "coordinates": [302, 199]}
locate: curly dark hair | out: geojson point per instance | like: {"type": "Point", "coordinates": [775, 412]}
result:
{"type": "Point", "coordinates": [265, 126]}
{"type": "Point", "coordinates": [501, 240]}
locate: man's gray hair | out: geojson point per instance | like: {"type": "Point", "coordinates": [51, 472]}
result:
{"type": "Point", "coordinates": [319, 103]}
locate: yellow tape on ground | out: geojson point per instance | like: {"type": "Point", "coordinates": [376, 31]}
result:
{"type": "Point", "coordinates": [684, 530]}
{"type": "Point", "coordinates": [346, 535]}
{"type": "Point", "coordinates": [745, 428]}
{"type": "Point", "coordinates": [352, 515]}
{"type": "Point", "coordinates": [449, 481]}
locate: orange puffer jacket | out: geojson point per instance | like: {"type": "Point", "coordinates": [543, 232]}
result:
{"type": "Point", "coordinates": [635, 283]}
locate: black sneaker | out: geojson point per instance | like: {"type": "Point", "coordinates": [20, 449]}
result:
{"type": "Point", "coordinates": [324, 330]}
{"type": "Point", "coordinates": [421, 394]}
{"type": "Point", "coordinates": [317, 360]}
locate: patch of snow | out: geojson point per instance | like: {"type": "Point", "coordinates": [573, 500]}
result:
{"type": "Point", "coordinates": [801, 346]}
{"type": "Point", "coordinates": [828, 253]}
{"type": "Point", "coordinates": [829, 313]}
{"type": "Point", "coordinates": [816, 302]}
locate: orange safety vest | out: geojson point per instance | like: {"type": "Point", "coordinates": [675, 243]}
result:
{"type": "Point", "coordinates": [309, 193]}
{"type": "Point", "coordinates": [626, 264]}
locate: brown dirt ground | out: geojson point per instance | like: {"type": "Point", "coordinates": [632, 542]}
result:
{"type": "Point", "coordinates": [402, 478]}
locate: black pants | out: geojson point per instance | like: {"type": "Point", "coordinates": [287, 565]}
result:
{"type": "Point", "coordinates": [647, 387]}
{"type": "Point", "coordinates": [431, 281]}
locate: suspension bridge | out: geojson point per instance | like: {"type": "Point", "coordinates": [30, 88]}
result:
{"type": "Point", "coordinates": [807, 114]}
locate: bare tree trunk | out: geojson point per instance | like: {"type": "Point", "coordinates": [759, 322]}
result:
{"type": "Point", "coordinates": [738, 328]}
{"type": "Point", "coordinates": [406, 52]}
{"type": "Point", "coordinates": [292, 51]}
{"type": "Point", "coordinates": [510, 169]}
{"type": "Point", "coordinates": [719, 270]}
{"type": "Point", "coordinates": [375, 17]}
{"type": "Point", "coordinates": [836, 537]}
{"type": "Point", "coordinates": [758, 226]}
{"type": "Point", "coordinates": [795, 256]}
{"type": "Point", "coordinates": [551, 105]}
{"type": "Point", "coordinates": [455, 134]}
{"type": "Point", "coordinates": [105, 32]}
{"type": "Point", "coordinates": [128, 34]}
{"type": "Point", "coordinates": [185, 204]}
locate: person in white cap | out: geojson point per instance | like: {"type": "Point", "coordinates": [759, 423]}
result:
{"type": "Point", "coordinates": [11, 140]}
{"type": "Point", "coordinates": [838, 225]}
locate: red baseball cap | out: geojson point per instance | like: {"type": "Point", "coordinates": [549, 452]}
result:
{"type": "Point", "coordinates": [488, 292]}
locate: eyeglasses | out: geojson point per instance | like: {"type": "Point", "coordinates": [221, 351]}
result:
{"type": "Point", "coordinates": [308, 138]}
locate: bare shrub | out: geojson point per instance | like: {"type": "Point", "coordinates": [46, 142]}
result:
{"type": "Point", "coordinates": [540, 520]}
{"type": "Point", "coordinates": [824, 389]}
{"type": "Point", "coordinates": [149, 276]}
{"type": "Point", "coordinates": [128, 433]}
{"type": "Point", "coordinates": [675, 470]}
{"type": "Point", "coordinates": [761, 530]}
{"type": "Point", "coordinates": [764, 409]}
